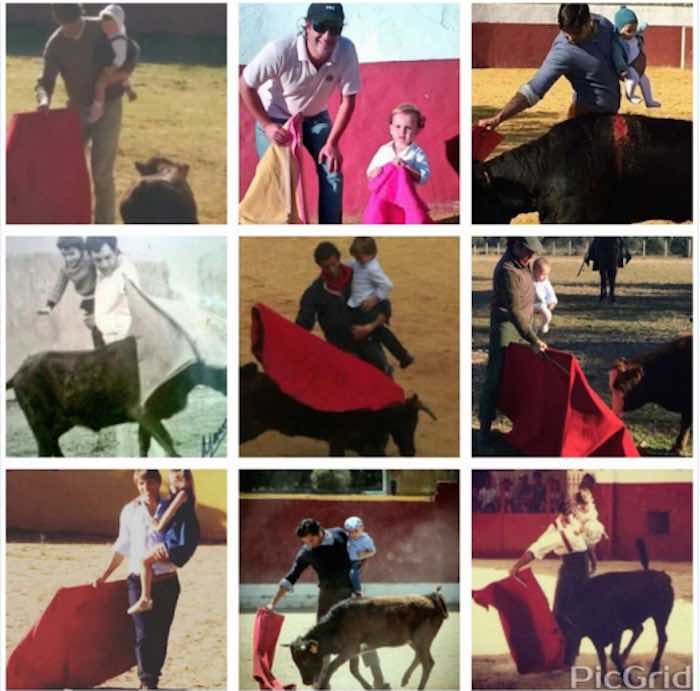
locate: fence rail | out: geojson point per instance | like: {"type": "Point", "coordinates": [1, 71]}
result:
{"type": "Point", "coordinates": [653, 247]}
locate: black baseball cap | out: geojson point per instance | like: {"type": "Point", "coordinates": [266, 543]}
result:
{"type": "Point", "coordinates": [326, 13]}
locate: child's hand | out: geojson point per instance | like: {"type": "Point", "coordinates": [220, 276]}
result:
{"type": "Point", "coordinates": [361, 332]}
{"type": "Point", "coordinates": [43, 311]}
{"type": "Point", "coordinates": [369, 303]}
{"type": "Point", "coordinates": [374, 172]}
{"type": "Point", "coordinates": [181, 497]}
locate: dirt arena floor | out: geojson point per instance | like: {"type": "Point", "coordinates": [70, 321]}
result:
{"type": "Point", "coordinates": [654, 303]}
{"type": "Point", "coordinates": [197, 641]}
{"type": "Point", "coordinates": [425, 300]}
{"type": "Point", "coordinates": [493, 668]}
{"type": "Point", "coordinates": [492, 88]}
{"type": "Point", "coordinates": [394, 661]}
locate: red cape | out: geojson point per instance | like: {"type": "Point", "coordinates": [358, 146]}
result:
{"type": "Point", "coordinates": [554, 410]}
{"type": "Point", "coordinates": [535, 641]}
{"type": "Point", "coordinates": [317, 373]}
{"type": "Point", "coordinates": [47, 176]}
{"type": "Point", "coordinates": [484, 142]}
{"type": "Point", "coordinates": [82, 639]}
{"type": "Point", "coordinates": [265, 634]}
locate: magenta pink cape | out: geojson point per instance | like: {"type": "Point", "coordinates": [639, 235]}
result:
{"type": "Point", "coordinates": [394, 199]}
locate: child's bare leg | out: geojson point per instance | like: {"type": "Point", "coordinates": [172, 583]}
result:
{"type": "Point", "coordinates": [97, 108]}
{"type": "Point", "coordinates": [144, 603]}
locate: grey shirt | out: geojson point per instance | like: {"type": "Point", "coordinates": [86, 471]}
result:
{"type": "Point", "coordinates": [588, 66]}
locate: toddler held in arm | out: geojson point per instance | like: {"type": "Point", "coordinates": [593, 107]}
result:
{"type": "Point", "coordinates": [360, 548]}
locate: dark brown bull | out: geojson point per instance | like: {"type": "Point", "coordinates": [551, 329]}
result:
{"type": "Point", "coordinates": [360, 624]}
{"type": "Point", "coordinates": [664, 377]}
{"type": "Point", "coordinates": [162, 195]}
{"type": "Point", "coordinates": [264, 406]}
{"type": "Point", "coordinates": [99, 388]}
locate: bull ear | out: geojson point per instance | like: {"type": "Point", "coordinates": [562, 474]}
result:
{"type": "Point", "coordinates": [313, 647]}
{"type": "Point", "coordinates": [141, 167]}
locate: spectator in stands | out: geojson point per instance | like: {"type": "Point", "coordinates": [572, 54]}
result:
{"type": "Point", "coordinates": [506, 486]}
{"type": "Point", "coordinates": [554, 494]}
{"type": "Point", "coordinates": [538, 493]}
{"type": "Point", "coordinates": [488, 497]}
{"type": "Point", "coordinates": [523, 495]}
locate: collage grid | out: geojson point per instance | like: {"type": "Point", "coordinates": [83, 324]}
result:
{"type": "Point", "coordinates": [235, 237]}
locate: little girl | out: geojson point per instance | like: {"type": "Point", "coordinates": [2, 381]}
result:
{"type": "Point", "coordinates": [177, 526]}
{"type": "Point", "coordinates": [631, 38]}
{"type": "Point", "coordinates": [405, 122]}
{"type": "Point", "coordinates": [112, 24]}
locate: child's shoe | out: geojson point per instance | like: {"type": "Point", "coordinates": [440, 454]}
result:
{"type": "Point", "coordinates": [140, 606]}
{"type": "Point", "coordinates": [545, 329]}
{"type": "Point", "coordinates": [630, 86]}
{"type": "Point", "coordinates": [97, 110]}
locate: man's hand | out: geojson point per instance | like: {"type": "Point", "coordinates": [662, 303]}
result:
{"type": "Point", "coordinates": [360, 332]}
{"type": "Point", "coordinates": [277, 134]}
{"type": "Point", "coordinates": [513, 570]}
{"type": "Point", "coordinates": [490, 123]}
{"type": "Point", "coordinates": [89, 320]}
{"type": "Point", "coordinates": [369, 303]}
{"type": "Point", "coordinates": [539, 346]}
{"type": "Point", "coordinates": [43, 311]}
{"type": "Point", "coordinates": [98, 581]}
{"type": "Point", "coordinates": [331, 157]}
{"type": "Point", "coordinates": [161, 553]}
{"type": "Point", "coordinates": [270, 606]}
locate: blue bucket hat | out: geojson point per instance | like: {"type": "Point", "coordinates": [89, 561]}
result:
{"type": "Point", "coordinates": [624, 16]}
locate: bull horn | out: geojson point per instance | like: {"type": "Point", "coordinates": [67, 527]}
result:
{"type": "Point", "coordinates": [425, 409]}
{"type": "Point", "coordinates": [286, 645]}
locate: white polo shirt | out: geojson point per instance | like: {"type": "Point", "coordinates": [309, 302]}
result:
{"type": "Point", "coordinates": [112, 313]}
{"type": "Point", "coordinates": [551, 539]}
{"type": "Point", "coordinates": [413, 155]}
{"type": "Point", "coordinates": [288, 83]}
{"type": "Point", "coordinates": [367, 280]}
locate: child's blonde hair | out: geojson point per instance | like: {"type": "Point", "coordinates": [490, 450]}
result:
{"type": "Point", "coordinates": [410, 109]}
{"type": "Point", "coordinates": [363, 246]}
{"type": "Point", "coordinates": [541, 263]}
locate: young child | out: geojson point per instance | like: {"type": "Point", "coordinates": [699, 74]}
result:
{"type": "Point", "coordinates": [175, 522]}
{"type": "Point", "coordinates": [112, 20]}
{"type": "Point", "coordinates": [79, 269]}
{"type": "Point", "coordinates": [545, 297]}
{"type": "Point", "coordinates": [627, 48]}
{"type": "Point", "coordinates": [587, 514]}
{"type": "Point", "coordinates": [360, 547]}
{"type": "Point", "coordinates": [368, 297]}
{"type": "Point", "coordinates": [405, 122]}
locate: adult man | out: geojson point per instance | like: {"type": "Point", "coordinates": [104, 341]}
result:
{"type": "Point", "coordinates": [135, 541]}
{"type": "Point", "coordinates": [512, 307]}
{"type": "Point", "coordinates": [583, 53]}
{"type": "Point", "coordinates": [112, 314]}
{"type": "Point", "coordinates": [297, 75]}
{"type": "Point", "coordinates": [608, 255]}
{"type": "Point", "coordinates": [78, 50]}
{"type": "Point", "coordinates": [326, 551]}
{"type": "Point", "coordinates": [326, 299]}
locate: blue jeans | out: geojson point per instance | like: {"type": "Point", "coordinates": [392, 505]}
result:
{"type": "Point", "coordinates": [355, 568]}
{"type": "Point", "coordinates": [315, 131]}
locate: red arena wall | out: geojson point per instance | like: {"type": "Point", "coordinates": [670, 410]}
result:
{"type": "Point", "coordinates": [433, 85]}
{"type": "Point", "coordinates": [624, 510]}
{"type": "Point", "coordinates": [524, 45]}
{"type": "Point", "coordinates": [417, 538]}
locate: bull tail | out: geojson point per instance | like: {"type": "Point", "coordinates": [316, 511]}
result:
{"type": "Point", "coordinates": [643, 554]}
{"type": "Point", "coordinates": [10, 384]}
{"type": "Point", "coordinates": [439, 601]}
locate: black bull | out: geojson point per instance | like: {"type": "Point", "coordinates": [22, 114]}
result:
{"type": "Point", "coordinates": [592, 169]}
{"type": "Point", "coordinates": [60, 390]}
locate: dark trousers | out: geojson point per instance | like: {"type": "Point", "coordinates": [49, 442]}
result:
{"type": "Point", "coordinates": [607, 278]}
{"type": "Point", "coordinates": [327, 597]}
{"type": "Point", "coordinates": [153, 627]}
{"type": "Point", "coordinates": [88, 306]}
{"type": "Point", "coordinates": [573, 574]}
{"type": "Point", "coordinates": [382, 334]}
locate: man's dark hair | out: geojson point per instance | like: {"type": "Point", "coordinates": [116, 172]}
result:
{"type": "Point", "coordinates": [572, 18]}
{"type": "Point", "coordinates": [325, 250]}
{"type": "Point", "coordinates": [587, 482]}
{"type": "Point", "coordinates": [66, 242]}
{"type": "Point", "coordinates": [94, 244]}
{"type": "Point", "coordinates": [64, 13]}
{"type": "Point", "coordinates": [308, 526]}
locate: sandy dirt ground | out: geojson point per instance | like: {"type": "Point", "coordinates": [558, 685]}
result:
{"type": "Point", "coordinates": [493, 87]}
{"type": "Point", "coordinates": [425, 299]}
{"type": "Point", "coordinates": [394, 661]}
{"type": "Point", "coordinates": [197, 641]}
{"type": "Point", "coordinates": [654, 303]}
{"type": "Point", "coordinates": [493, 668]}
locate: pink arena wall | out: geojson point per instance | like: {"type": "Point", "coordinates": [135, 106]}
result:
{"type": "Point", "coordinates": [417, 538]}
{"type": "Point", "coordinates": [623, 510]}
{"type": "Point", "coordinates": [525, 45]}
{"type": "Point", "coordinates": [433, 85]}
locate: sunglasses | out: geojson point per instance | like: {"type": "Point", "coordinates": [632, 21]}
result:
{"type": "Point", "coordinates": [321, 28]}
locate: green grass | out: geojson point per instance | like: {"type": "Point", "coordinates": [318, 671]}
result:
{"type": "Point", "coordinates": [654, 304]}
{"type": "Point", "coordinates": [180, 114]}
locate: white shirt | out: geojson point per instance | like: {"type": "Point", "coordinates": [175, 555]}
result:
{"type": "Point", "coordinates": [137, 538]}
{"type": "Point", "coordinates": [119, 43]}
{"type": "Point", "coordinates": [544, 293]}
{"type": "Point", "coordinates": [112, 314]}
{"type": "Point", "coordinates": [288, 83]}
{"type": "Point", "coordinates": [552, 541]}
{"type": "Point", "coordinates": [367, 280]}
{"type": "Point", "coordinates": [413, 155]}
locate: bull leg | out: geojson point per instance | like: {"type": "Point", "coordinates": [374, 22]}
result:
{"type": "Point", "coordinates": [428, 664]}
{"type": "Point", "coordinates": [660, 622]}
{"type": "Point", "coordinates": [355, 671]}
{"type": "Point", "coordinates": [636, 633]}
{"type": "Point", "coordinates": [144, 441]}
{"type": "Point", "coordinates": [615, 654]}
{"type": "Point", "coordinates": [602, 658]}
{"type": "Point", "coordinates": [411, 668]}
{"type": "Point", "coordinates": [683, 434]}
{"type": "Point", "coordinates": [326, 674]}
{"type": "Point", "coordinates": [155, 428]}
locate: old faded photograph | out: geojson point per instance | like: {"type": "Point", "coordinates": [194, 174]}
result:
{"type": "Point", "coordinates": [116, 346]}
